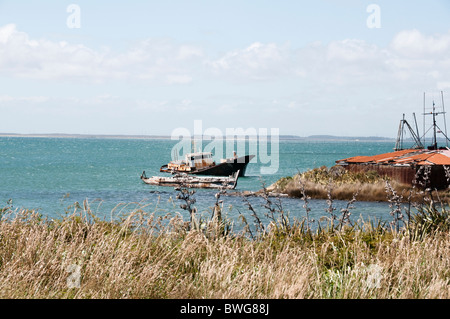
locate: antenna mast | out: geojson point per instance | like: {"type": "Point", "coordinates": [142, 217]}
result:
{"type": "Point", "coordinates": [436, 128]}
{"type": "Point", "coordinates": [424, 136]}
{"type": "Point", "coordinates": [445, 122]}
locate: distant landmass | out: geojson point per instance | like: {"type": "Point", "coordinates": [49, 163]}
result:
{"type": "Point", "coordinates": [106, 136]}
{"type": "Point", "coordinates": [281, 137]}
{"type": "Point", "coordinates": [349, 138]}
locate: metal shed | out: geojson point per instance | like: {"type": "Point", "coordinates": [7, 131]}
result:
{"type": "Point", "coordinates": [403, 165]}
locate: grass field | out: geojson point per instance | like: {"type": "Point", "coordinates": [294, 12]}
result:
{"type": "Point", "coordinates": [149, 256]}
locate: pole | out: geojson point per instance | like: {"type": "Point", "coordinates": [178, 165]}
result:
{"type": "Point", "coordinates": [434, 128]}
{"type": "Point", "coordinates": [424, 139]}
{"type": "Point", "coordinates": [445, 122]}
{"type": "Point", "coordinates": [417, 128]}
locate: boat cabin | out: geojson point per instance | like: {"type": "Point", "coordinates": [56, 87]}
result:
{"type": "Point", "coordinates": [193, 161]}
{"type": "Point", "coordinates": [199, 160]}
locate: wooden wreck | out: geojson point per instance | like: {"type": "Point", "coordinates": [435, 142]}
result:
{"type": "Point", "coordinates": [189, 181]}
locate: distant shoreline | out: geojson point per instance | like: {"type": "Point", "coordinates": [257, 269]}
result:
{"type": "Point", "coordinates": [325, 138]}
{"type": "Point", "coordinates": [93, 136]}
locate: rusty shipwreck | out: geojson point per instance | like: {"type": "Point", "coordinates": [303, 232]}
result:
{"type": "Point", "coordinates": [202, 163]}
{"type": "Point", "coordinates": [426, 167]}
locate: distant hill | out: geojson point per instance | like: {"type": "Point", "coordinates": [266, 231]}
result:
{"type": "Point", "coordinates": [106, 136]}
{"type": "Point", "coordinates": [349, 138]}
{"type": "Point", "coordinates": [282, 137]}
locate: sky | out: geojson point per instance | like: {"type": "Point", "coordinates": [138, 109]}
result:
{"type": "Point", "coordinates": [347, 68]}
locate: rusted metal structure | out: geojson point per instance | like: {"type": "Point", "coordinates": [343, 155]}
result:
{"type": "Point", "coordinates": [426, 167]}
{"type": "Point", "coordinates": [405, 166]}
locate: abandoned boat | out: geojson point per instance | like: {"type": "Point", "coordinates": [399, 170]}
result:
{"type": "Point", "coordinates": [202, 163]}
{"type": "Point", "coordinates": [189, 181]}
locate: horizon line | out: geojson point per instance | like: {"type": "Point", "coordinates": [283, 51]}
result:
{"type": "Point", "coordinates": [145, 136]}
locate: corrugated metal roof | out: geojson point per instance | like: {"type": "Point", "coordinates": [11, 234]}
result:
{"type": "Point", "coordinates": [439, 159]}
{"type": "Point", "coordinates": [445, 152]}
{"type": "Point", "coordinates": [388, 157]}
{"type": "Point", "coordinates": [404, 157]}
{"type": "Point", "coordinates": [375, 158]}
{"type": "Point", "coordinates": [413, 158]}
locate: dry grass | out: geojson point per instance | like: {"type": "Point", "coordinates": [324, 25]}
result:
{"type": "Point", "coordinates": [344, 184]}
{"type": "Point", "coordinates": [145, 256]}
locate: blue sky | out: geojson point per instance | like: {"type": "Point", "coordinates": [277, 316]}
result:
{"type": "Point", "coordinates": [135, 67]}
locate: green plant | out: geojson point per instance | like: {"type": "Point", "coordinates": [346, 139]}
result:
{"type": "Point", "coordinates": [429, 219]}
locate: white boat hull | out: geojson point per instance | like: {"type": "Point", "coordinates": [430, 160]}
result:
{"type": "Point", "coordinates": [190, 181]}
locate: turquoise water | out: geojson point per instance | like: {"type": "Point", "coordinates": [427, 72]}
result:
{"type": "Point", "coordinates": [50, 174]}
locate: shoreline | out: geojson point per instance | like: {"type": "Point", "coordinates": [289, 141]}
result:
{"type": "Point", "coordinates": [337, 184]}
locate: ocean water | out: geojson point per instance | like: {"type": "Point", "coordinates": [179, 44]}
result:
{"type": "Point", "coordinates": [51, 174]}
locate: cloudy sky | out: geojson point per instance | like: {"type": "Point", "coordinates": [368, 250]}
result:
{"type": "Point", "coordinates": [349, 67]}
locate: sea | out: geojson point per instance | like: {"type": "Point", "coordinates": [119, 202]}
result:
{"type": "Point", "coordinates": [52, 174]}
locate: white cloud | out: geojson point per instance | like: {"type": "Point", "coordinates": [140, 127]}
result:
{"type": "Point", "coordinates": [258, 61]}
{"type": "Point", "coordinates": [155, 60]}
{"type": "Point", "coordinates": [6, 33]}
{"type": "Point", "coordinates": [178, 79]}
{"type": "Point", "coordinates": [352, 50]}
{"type": "Point", "coordinates": [443, 85]}
{"type": "Point", "coordinates": [28, 99]}
{"type": "Point", "coordinates": [343, 80]}
{"type": "Point", "coordinates": [420, 57]}
{"type": "Point", "coordinates": [411, 56]}
{"type": "Point", "coordinates": [414, 44]}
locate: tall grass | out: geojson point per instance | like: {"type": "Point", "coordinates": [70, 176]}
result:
{"type": "Point", "coordinates": [369, 185]}
{"type": "Point", "coordinates": [145, 255]}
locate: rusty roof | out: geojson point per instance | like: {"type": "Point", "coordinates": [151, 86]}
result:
{"type": "Point", "coordinates": [403, 157]}
{"type": "Point", "coordinates": [437, 159]}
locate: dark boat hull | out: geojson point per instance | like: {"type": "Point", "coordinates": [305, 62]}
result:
{"type": "Point", "coordinates": [227, 168]}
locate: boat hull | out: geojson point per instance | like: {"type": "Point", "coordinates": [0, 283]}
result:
{"type": "Point", "coordinates": [228, 168]}
{"type": "Point", "coordinates": [185, 180]}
